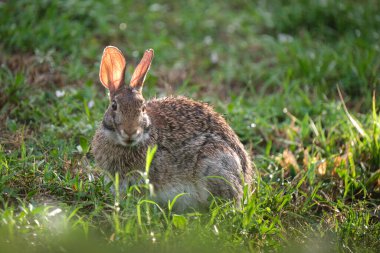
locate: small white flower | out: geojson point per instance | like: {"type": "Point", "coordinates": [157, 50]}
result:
{"type": "Point", "coordinates": [59, 93]}
{"type": "Point", "coordinates": [207, 40]}
{"type": "Point", "coordinates": [214, 57]}
{"type": "Point", "coordinates": [123, 26]}
{"type": "Point", "coordinates": [91, 104]}
{"type": "Point", "coordinates": [284, 38]}
{"type": "Point", "coordinates": [80, 149]}
{"type": "Point", "coordinates": [156, 7]}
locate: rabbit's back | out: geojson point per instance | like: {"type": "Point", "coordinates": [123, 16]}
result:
{"type": "Point", "coordinates": [194, 142]}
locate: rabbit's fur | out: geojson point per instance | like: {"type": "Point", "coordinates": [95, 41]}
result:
{"type": "Point", "coordinates": [197, 151]}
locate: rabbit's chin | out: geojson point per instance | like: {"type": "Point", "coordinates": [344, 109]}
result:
{"type": "Point", "coordinates": [119, 140]}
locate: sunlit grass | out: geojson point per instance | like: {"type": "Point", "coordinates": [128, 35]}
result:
{"type": "Point", "coordinates": [271, 68]}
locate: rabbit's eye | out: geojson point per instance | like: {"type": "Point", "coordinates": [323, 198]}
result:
{"type": "Point", "coordinates": [143, 109]}
{"type": "Point", "coordinates": [114, 105]}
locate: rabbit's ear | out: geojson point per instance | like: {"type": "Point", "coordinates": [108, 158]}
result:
{"type": "Point", "coordinates": [138, 77]}
{"type": "Point", "coordinates": [112, 68]}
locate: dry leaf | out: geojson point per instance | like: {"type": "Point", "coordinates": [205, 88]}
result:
{"type": "Point", "coordinates": [306, 158]}
{"type": "Point", "coordinates": [321, 168]}
{"type": "Point", "coordinates": [112, 237]}
{"type": "Point", "coordinates": [289, 161]}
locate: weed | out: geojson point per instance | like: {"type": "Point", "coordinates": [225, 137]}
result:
{"type": "Point", "coordinates": [271, 68]}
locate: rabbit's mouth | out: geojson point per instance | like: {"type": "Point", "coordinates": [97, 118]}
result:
{"type": "Point", "coordinates": [128, 142]}
{"type": "Point", "coordinates": [122, 139]}
{"type": "Point", "coordinates": [125, 142]}
{"type": "Point", "coordinates": [131, 141]}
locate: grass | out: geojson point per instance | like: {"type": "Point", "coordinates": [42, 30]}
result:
{"type": "Point", "coordinates": [273, 69]}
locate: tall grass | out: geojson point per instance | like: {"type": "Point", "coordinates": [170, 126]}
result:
{"type": "Point", "coordinates": [271, 68]}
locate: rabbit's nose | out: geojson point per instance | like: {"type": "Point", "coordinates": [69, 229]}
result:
{"type": "Point", "coordinates": [128, 134]}
{"type": "Point", "coordinates": [132, 133]}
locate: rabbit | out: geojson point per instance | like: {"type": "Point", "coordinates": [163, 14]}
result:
{"type": "Point", "coordinates": [198, 153]}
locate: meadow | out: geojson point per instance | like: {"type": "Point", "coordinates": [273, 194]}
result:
{"type": "Point", "coordinates": [299, 82]}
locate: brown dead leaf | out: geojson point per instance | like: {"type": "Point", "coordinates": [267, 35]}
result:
{"type": "Point", "coordinates": [321, 168]}
{"type": "Point", "coordinates": [338, 162]}
{"type": "Point", "coordinates": [112, 237]}
{"type": "Point", "coordinates": [13, 140]}
{"type": "Point", "coordinates": [288, 161]}
{"type": "Point", "coordinates": [377, 186]}
{"type": "Point", "coordinates": [37, 72]}
{"type": "Point", "coordinates": [306, 158]}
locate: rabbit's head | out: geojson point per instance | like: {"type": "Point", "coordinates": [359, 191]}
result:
{"type": "Point", "coordinates": [125, 121]}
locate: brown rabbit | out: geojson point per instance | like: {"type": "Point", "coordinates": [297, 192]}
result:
{"type": "Point", "coordinates": [197, 151]}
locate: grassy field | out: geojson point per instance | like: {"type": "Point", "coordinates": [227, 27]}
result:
{"type": "Point", "coordinates": [299, 81]}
